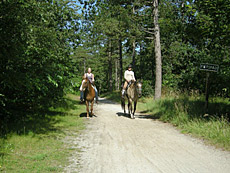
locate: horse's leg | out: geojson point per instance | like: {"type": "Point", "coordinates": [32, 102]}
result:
{"type": "Point", "coordinates": [130, 109]}
{"type": "Point", "coordinates": [92, 108]}
{"type": "Point", "coordinates": [135, 104]}
{"type": "Point", "coordinates": [87, 108]}
{"type": "Point", "coordinates": [124, 106]}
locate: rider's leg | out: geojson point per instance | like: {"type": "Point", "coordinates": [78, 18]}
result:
{"type": "Point", "coordinates": [82, 95]}
{"type": "Point", "coordinates": [124, 88]}
{"type": "Point", "coordinates": [96, 93]}
{"type": "Point", "coordinates": [81, 92]}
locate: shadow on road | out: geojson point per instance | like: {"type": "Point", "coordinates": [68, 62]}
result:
{"type": "Point", "coordinates": [138, 115]}
{"type": "Point", "coordinates": [144, 116]}
{"type": "Point", "coordinates": [106, 101]}
{"type": "Point", "coordinates": [123, 114]}
{"type": "Point", "coordinates": [84, 114]}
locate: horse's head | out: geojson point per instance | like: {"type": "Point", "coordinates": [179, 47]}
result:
{"type": "Point", "coordinates": [139, 88]}
{"type": "Point", "coordinates": [85, 84]}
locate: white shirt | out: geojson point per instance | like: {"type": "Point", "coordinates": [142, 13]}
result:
{"type": "Point", "coordinates": [129, 75]}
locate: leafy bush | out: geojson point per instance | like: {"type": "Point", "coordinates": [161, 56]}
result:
{"type": "Point", "coordinates": [35, 55]}
{"type": "Point", "coordinates": [147, 88]}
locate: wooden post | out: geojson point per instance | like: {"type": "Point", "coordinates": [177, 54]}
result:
{"type": "Point", "coordinates": [208, 68]}
{"type": "Point", "coordinates": [206, 93]}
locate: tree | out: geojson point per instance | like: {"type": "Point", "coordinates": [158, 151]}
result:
{"type": "Point", "coordinates": [158, 82]}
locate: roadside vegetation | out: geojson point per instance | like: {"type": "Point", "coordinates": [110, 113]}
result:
{"type": "Point", "coordinates": [187, 113]}
{"type": "Point", "coordinates": [46, 47]}
{"type": "Point", "coordinates": [39, 145]}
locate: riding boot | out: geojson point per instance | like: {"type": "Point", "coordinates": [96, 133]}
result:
{"type": "Point", "coordinates": [96, 94]}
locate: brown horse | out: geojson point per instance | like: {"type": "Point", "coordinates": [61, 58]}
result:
{"type": "Point", "coordinates": [133, 93]}
{"type": "Point", "coordinates": [89, 94]}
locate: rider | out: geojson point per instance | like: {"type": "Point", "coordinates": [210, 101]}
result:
{"type": "Point", "coordinates": [90, 77]}
{"type": "Point", "coordinates": [129, 76]}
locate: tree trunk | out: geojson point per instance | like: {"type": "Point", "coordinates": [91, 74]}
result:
{"type": "Point", "coordinates": [117, 82]}
{"type": "Point", "coordinates": [158, 82]}
{"type": "Point", "coordinates": [110, 68]}
{"type": "Point", "coordinates": [120, 60]}
{"type": "Point", "coordinates": [134, 54]}
{"type": "Point", "coordinates": [134, 47]}
{"type": "Point", "coordinates": [141, 61]}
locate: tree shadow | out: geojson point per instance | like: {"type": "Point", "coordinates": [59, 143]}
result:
{"type": "Point", "coordinates": [194, 109]}
{"type": "Point", "coordinates": [39, 121]}
{"type": "Point", "coordinates": [106, 101]}
{"type": "Point", "coordinates": [147, 116]}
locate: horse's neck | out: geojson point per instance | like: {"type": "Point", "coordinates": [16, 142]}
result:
{"type": "Point", "coordinates": [133, 86]}
{"type": "Point", "coordinates": [132, 90]}
{"type": "Point", "coordinates": [90, 87]}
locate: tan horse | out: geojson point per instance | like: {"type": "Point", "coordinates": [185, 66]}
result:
{"type": "Point", "coordinates": [89, 95]}
{"type": "Point", "coordinates": [133, 93]}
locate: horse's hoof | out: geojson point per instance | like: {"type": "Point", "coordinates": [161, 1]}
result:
{"type": "Point", "coordinates": [132, 116]}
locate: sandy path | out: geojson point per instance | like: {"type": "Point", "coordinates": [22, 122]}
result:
{"type": "Point", "coordinates": [115, 143]}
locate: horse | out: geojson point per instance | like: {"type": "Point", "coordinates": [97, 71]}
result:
{"type": "Point", "coordinates": [89, 95]}
{"type": "Point", "coordinates": [133, 93]}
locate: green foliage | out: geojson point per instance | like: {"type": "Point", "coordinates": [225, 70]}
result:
{"type": "Point", "coordinates": [35, 55]}
{"type": "Point", "coordinates": [39, 63]}
{"type": "Point", "coordinates": [148, 89]}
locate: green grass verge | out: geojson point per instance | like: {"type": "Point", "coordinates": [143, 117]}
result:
{"type": "Point", "coordinates": [187, 113]}
{"type": "Point", "coordinates": [41, 146]}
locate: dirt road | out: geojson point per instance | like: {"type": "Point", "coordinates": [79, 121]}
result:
{"type": "Point", "coordinates": [114, 143]}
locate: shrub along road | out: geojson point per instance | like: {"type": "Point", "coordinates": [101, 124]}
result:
{"type": "Point", "coordinates": [112, 142]}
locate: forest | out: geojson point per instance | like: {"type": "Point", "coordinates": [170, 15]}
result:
{"type": "Point", "coordinates": [47, 45]}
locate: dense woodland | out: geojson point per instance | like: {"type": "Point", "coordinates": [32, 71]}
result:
{"type": "Point", "coordinates": [46, 46]}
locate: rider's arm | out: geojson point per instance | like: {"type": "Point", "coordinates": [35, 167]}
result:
{"type": "Point", "coordinates": [125, 76]}
{"type": "Point", "coordinates": [134, 77]}
{"type": "Point", "coordinates": [92, 77]}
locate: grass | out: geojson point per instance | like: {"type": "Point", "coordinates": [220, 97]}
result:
{"type": "Point", "coordinates": [187, 114]}
{"type": "Point", "coordinates": [40, 146]}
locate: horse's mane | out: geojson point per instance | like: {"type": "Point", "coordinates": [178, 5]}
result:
{"type": "Point", "coordinates": [133, 84]}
